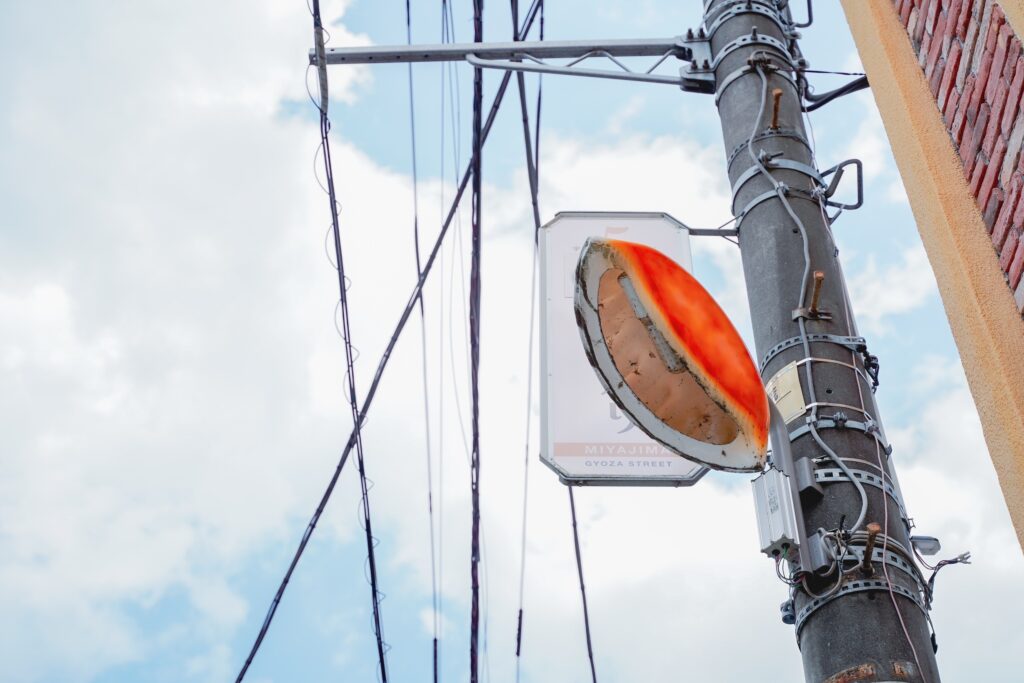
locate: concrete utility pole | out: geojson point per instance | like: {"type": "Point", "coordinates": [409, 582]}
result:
{"type": "Point", "coordinates": [797, 293]}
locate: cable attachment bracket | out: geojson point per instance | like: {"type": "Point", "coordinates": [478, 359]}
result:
{"type": "Point", "coordinates": [698, 75]}
{"type": "Point", "coordinates": [812, 312]}
{"type": "Point", "coordinates": [838, 170]}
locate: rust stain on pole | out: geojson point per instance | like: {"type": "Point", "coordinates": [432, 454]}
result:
{"type": "Point", "coordinates": [862, 672]}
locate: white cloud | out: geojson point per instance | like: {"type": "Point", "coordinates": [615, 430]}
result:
{"type": "Point", "coordinates": [882, 293]}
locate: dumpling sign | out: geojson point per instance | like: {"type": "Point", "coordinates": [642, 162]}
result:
{"type": "Point", "coordinates": [586, 437]}
{"type": "Point", "coordinates": [669, 357]}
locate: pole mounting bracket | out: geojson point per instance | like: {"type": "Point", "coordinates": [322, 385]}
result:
{"type": "Point", "coordinates": [812, 312]}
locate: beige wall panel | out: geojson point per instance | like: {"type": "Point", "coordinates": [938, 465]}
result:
{"type": "Point", "coordinates": [986, 324]}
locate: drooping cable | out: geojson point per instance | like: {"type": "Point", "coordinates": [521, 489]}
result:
{"type": "Point", "coordinates": [819, 101]}
{"type": "Point", "coordinates": [583, 589]}
{"type": "Point", "coordinates": [325, 127]}
{"type": "Point", "coordinates": [474, 332]}
{"type": "Point", "coordinates": [531, 167]}
{"type": "Point", "coordinates": [357, 416]}
{"type": "Point", "coordinates": [353, 399]}
{"type": "Point", "coordinates": [378, 375]}
{"type": "Point", "coordinates": [423, 346]}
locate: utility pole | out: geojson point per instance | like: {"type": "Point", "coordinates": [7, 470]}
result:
{"type": "Point", "coordinates": [858, 631]}
{"type": "Point", "coordinates": [858, 602]}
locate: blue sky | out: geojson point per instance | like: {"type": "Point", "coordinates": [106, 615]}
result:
{"type": "Point", "coordinates": [171, 401]}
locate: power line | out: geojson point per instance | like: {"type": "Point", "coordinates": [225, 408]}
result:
{"type": "Point", "coordinates": [353, 400]}
{"type": "Point", "coordinates": [423, 346]}
{"type": "Point", "coordinates": [531, 166]}
{"type": "Point", "coordinates": [379, 373]}
{"type": "Point", "coordinates": [474, 327]}
{"type": "Point", "coordinates": [583, 589]}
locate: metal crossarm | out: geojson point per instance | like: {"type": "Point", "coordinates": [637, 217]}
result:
{"type": "Point", "coordinates": [548, 49]}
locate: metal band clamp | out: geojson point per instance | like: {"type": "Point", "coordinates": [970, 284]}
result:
{"type": "Point", "coordinates": [830, 475]}
{"type": "Point", "coordinates": [773, 164]}
{"type": "Point", "coordinates": [858, 344]}
{"type": "Point", "coordinates": [869, 428]}
{"type": "Point", "coordinates": [855, 587]}
{"type": "Point", "coordinates": [767, 134]}
{"type": "Point", "coordinates": [743, 7]}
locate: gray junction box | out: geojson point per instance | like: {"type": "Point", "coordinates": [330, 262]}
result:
{"type": "Point", "coordinates": [776, 517]}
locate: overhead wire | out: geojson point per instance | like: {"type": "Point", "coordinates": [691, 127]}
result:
{"type": "Point", "coordinates": [382, 364]}
{"type": "Point", "coordinates": [423, 345]}
{"type": "Point", "coordinates": [447, 31]}
{"type": "Point", "coordinates": [353, 399]}
{"type": "Point", "coordinates": [358, 416]}
{"type": "Point", "coordinates": [531, 163]}
{"type": "Point", "coordinates": [474, 326]}
{"type": "Point", "coordinates": [583, 589]}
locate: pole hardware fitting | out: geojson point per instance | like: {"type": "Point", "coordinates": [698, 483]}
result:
{"type": "Point", "coordinates": [788, 612]}
{"type": "Point", "coordinates": [768, 134]}
{"type": "Point", "coordinates": [696, 74]}
{"type": "Point", "coordinates": [812, 312]}
{"type": "Point", "coordinates": [806, 484]}
{"type": "Point", "coordinates": [745, 41]}
{"type": "Point", "coordinates": [866, 567]}
{"type": "Point", "coordinates": [858, 344]}
{"type": "Point", "coordinates": [838, 171]}
{"type": "Point", "coordinates": [868, 428]}
{"type": "Point", "coordinates": [776, 101]}
{"type": "Point", "coordinates": [851, 587]}
{"type": "Point", "coordinates": [783, 4]}
{"type": "Point", "coordinates": [781, 190]}
{"type": "Point", "coordinates": [771, 162]}
{"type": "Point", "coordinates": [743, 7]}
{"type": "Point", "coordinates": [763, 62]}
{"type": "Point", "coordinates": [834, 475]}
{"type": "Point", "coordinates": [891, 556]}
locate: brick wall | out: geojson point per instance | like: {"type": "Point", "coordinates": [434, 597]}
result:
{"type": "Point", "coordinates": [975, 67]}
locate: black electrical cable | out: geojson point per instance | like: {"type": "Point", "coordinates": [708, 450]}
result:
{"type": "Point", "coordinates": [583, 589]}
{"type": "Point", "coordinates": [533, 181]}
{"type": "Point", "coordinates": [379, 373]}
{"type": "Point", "coordinates": [356, 437]}
{"type": "Point", "coordinates": [325, 128]}
{"type": "Point", "coordinates": [540, 90]}
{"type": "Point", "coordinates": [474, 340]}
{"type": "Point", "coordinates": [423, 342]}
{"type": "Point", "coordinates": [818, 101]}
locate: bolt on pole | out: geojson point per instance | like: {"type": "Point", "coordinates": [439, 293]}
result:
{"type": "Point", "coordinates": [866, 623]}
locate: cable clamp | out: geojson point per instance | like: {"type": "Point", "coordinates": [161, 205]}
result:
{"type": "Point", "coordinates": [696, 74]}
{"type": "Point", "coordinates": [761, 198]}
{"type": "Point", "coordinates": [770, 162]}
{"type": "Point", "coordinates": [768, 134]}
{"type": "Point", "coordinates": [829, 423]}
{"type": "Point", "coordinates": [748, 40]}
{"type": "Point", "coordinates": [890, 556]}
{"type": "Point", "coordinates": [739, 72]}
{"type": "Point", "coordinates": [831, 475]}
{"type": "Point", "coordinates": [851, 587]}
{"type": "Point", "coordinates": [858, 344]}
{"type": "Point", "coordinates": [742, 7]}
{"type": "Point", "coordinates": [831, 188]}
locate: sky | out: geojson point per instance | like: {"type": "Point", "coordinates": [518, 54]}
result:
{"type": "Point", "coordinates": [171, 401]}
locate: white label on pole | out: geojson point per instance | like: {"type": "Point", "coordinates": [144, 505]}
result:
{"type": "Point", "coordinates": [585, 438]}
{"type": "Point", "coordinates": [784, 389]}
